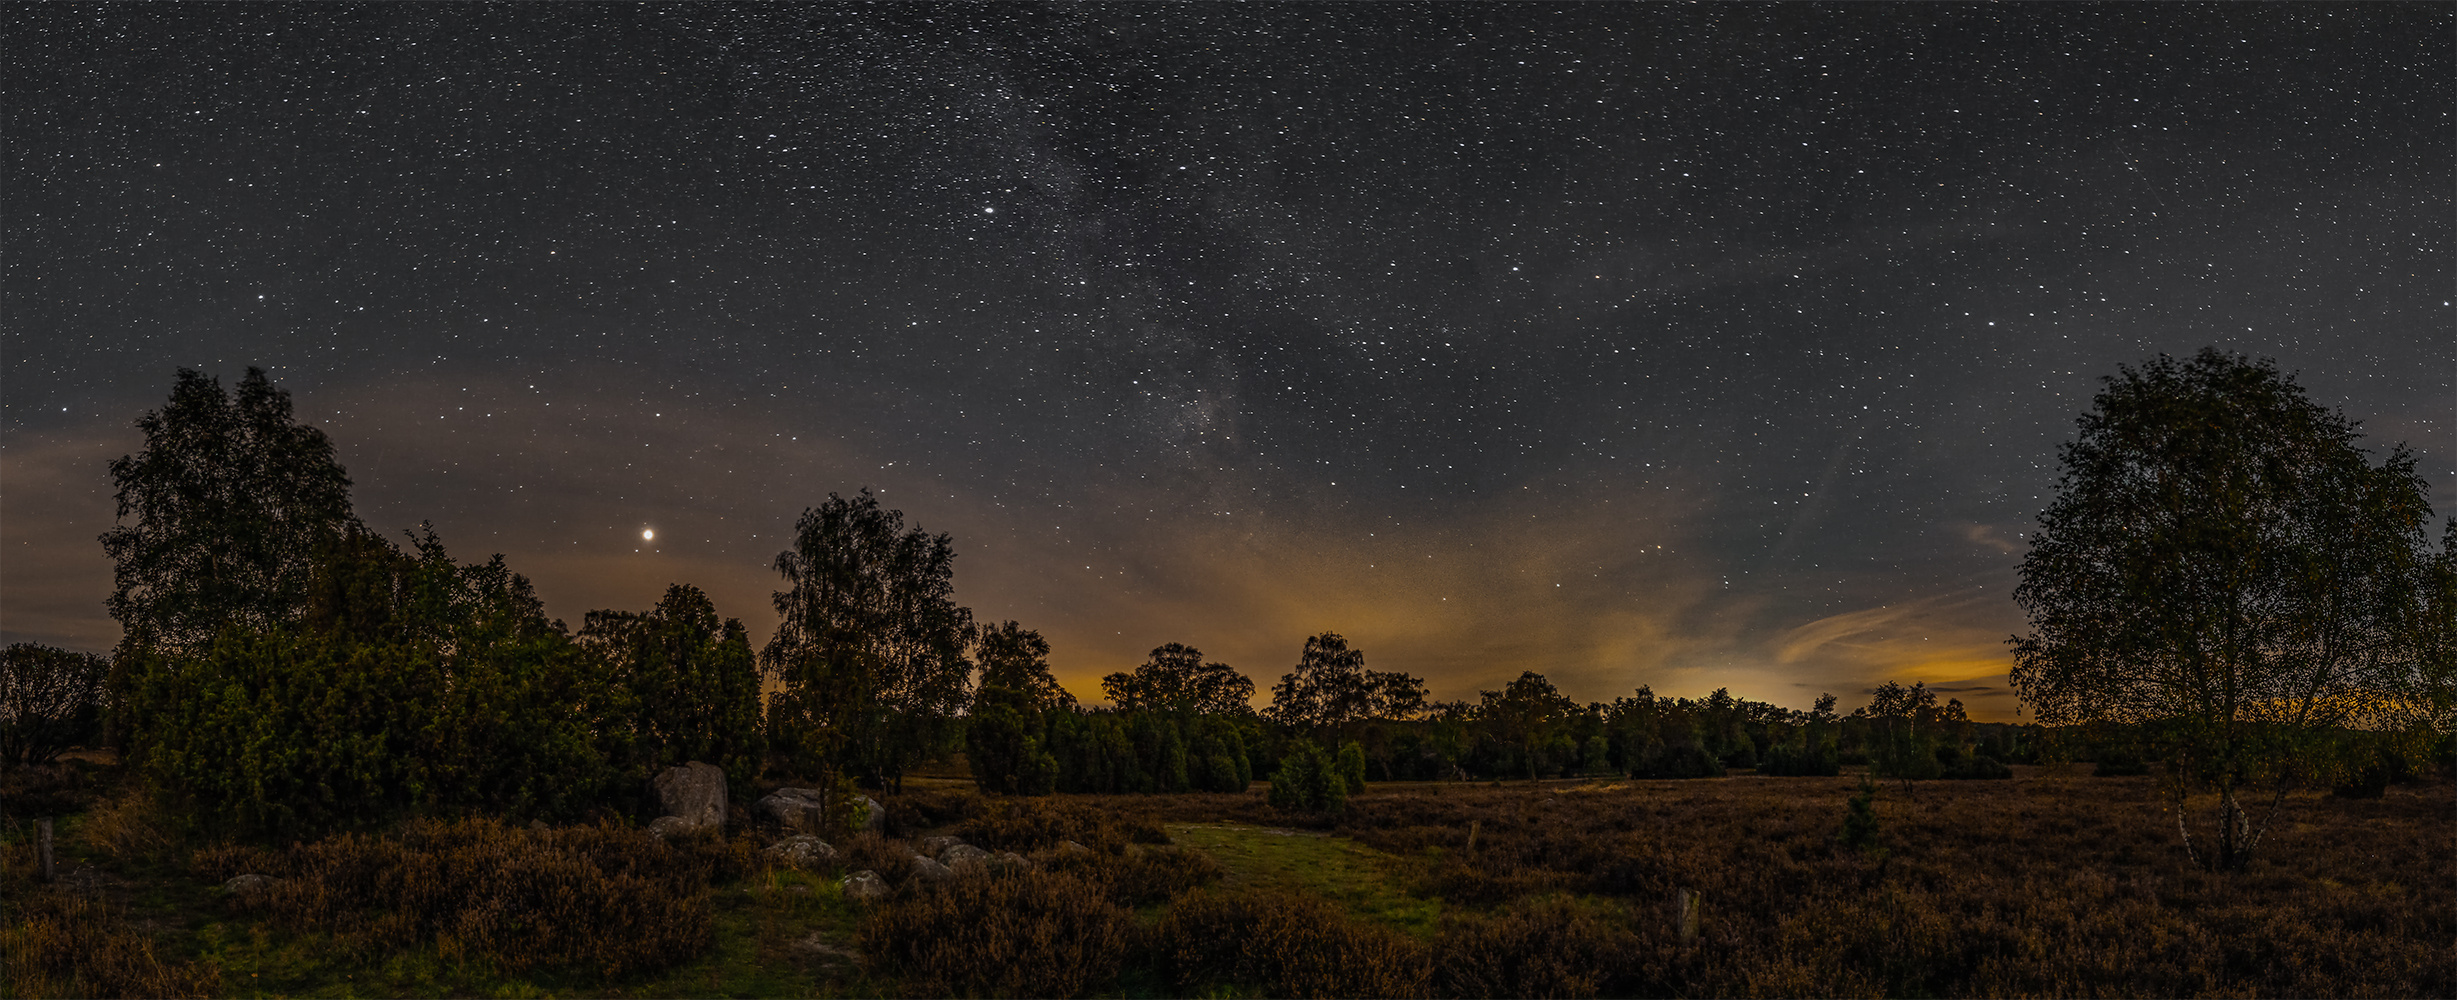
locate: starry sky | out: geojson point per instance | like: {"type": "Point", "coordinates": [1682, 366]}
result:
{"type": "Point", "coordinates": [1693, 346]}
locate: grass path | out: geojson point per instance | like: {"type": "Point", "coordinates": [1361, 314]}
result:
{"type": "Point", "coordinates": [1370, 884]}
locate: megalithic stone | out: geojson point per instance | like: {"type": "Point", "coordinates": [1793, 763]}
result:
{"type": "Point", "coordinates": [43, 827]}
{"type": "Point", "coordinates": [1688, 908]}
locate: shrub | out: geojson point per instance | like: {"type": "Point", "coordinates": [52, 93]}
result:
{"type": "Point", "coordinates": [1310, 781]}
{"type": "Point", "coordinates": [129, 828]}
{"type": "Point", "coordinates": [61, 944]}
{"type": "Point", "coordinates": [1140, 876]}
{"type": "Point", "coordinates": [1284, 945]}
{"type": "Point", "coordinates": [1351, 767]}
{"type": "Point", "coordinates": [1860, 818]}
{"type": "Point", "coordinates": [414, 685]}
{"type": "Point", "coordinates": [1017, 934]}
{"type": "Point", "coordinates": [598, 900]}
{"type": "Point", "coordinates": [1028, 825]}
{"type": "Point", "coordinates": [50, 700]}
{"type": "Point", "coordinates": [1552, 948]}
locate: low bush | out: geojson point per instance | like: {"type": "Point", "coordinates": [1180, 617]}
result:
{"type": "Point", "coordinates": [1139, 876]}
{"type": "Point", "coordinates": [1555, 947]}
{"type": "Point", "coordinates": [1015, 934]}
{"type": "Point", "coordinates": [58, 943]}
{"type": "Point", "coordinates": [597, 900]}
{"type": "Point", "coordinates": [130, 828]}
{"type": "Point", "coordinates": [1028, 825]}
{"type": "Point", "coordinates": [1284, 945]}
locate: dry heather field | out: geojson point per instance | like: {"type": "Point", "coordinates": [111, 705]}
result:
{"type": "Point", "coordinates": [2054, 884]}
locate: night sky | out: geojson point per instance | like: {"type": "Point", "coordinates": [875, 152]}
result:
{"type": "Point", "coordinates": [1692, 346]}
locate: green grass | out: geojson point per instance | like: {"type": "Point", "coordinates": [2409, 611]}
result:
{"type": "Point", "coordinates": [1369, 884]}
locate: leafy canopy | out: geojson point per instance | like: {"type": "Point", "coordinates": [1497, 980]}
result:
{"type": "Point", "coordinates": [224, 511]}
{"type": "Point", "coordinates": [2225, 569]}
{"type": "Point", "coordinates": [1175, 679]}
{"type": "Point", "coordinates": [870, 648]}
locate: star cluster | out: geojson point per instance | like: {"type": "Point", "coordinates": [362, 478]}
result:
{"type": "Point", "coordinates": [1692, 346]}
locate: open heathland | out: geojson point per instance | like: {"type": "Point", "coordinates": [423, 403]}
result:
{"type": "Point", "coordinates": [2054, 883]}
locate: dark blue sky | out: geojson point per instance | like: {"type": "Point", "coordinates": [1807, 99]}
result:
{"type": "Point", "coordinates": [1687, 346]}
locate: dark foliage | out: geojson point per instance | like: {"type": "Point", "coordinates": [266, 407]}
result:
{"type": "Point", "coordinates": [414, 684]}
{"type": "Point", "coordinates": [50, 700]}
{"type": "Point", "coordinates": [2226, 572]}
{"type": "Point", "coordinates": [687, 686]}
{"type": "Point", "coordinates": [1284, 945]}
{"type": "Point", "coordinates": [1176, 680]}
{"type": "Point", "coordinates": [61, 943]}
{"type": "Point", "coordinates": [599, 900]}
{"type": "Point", "coordinates": [1006, 934]}
{"type": "Point", "coordinates": [233, 504]}
{"type": "Point", "coordinates": [870, 648]}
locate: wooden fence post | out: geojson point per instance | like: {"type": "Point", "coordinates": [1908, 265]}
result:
{"type": "Point", "coordinates": [42, 836]}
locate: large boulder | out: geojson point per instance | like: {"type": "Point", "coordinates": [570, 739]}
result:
{"type": "Point", "coordinates": [864, 885]}
{"type": "Point", "coordinates": [874, 817]}
{"type": "Point", "coordinates": [933, 847]}
{"type": "Point", "coordinates": [247, 885]}
{"type": "Point", "coordinates": [802, 851]}
{"type": "Point", "coordinates": [670, 827]}
{"type": "Point", "coordinates": [693, 792]}
{"type": "Point", "coordinates": [798, 808]}
{"type": "Point", "coordinates": [931, 871]}
{"type": "Point", "coordinates": [963, 857]}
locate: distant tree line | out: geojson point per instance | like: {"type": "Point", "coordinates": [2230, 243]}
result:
{"type": "Point", "coordinates": [286, 670]}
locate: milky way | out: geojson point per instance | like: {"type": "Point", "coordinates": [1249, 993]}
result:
{"type": "Point", "coordinates": [1687, 346]}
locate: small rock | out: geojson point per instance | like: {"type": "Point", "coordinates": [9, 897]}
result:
{"type": "Point", "coordinates": [1010, 861]}
{"type": "Point", "coordinates": [816, 943]}
{"type": "Point", "coordinates": [803, 851]}
{"type": "Point", "coordinates": [1071, 847]}
{"type": "Point", "coordinates": [247, 885]}
{"type": "Point", "coordinates": [670, 827]}
{"type": "Point", "coordinates": [864, 885]}
{"type": "Point", "coordinates": [962, 856]}
{"type": "Point", "coordinates": [694, 792]}
{"type": "Point", "coordinates": [936, 847]}
{"type": "Point", "coordinates": [931, 871]}
{"type": "Point", "coordinates": [537, 826]}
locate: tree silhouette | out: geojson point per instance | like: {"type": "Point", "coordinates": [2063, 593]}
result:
{"type": "Point", "coordinates": [1330, 689]}
{"type": "Point", "coordinates": [691, 681]}
{"type": "Point", "coordinates": [1903, 729]}
{"type": "Point", "coordinates": [870, 648]}
{"type": "Point", "coordinates": [231, 503]}
{"type": "Point", "coordinates": [1175, 679]}
{"type": "Point", "coordinates": [51, 699]}
{"type": "Point", "coordinates": [2224, 571]}
{"type": "Point", "coordinates": [1005, 737]}
{"type": "Point", "coordinates": [1526, 718]}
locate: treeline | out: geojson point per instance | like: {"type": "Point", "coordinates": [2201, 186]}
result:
{"type": "Point", "coordinates": [285, 670]}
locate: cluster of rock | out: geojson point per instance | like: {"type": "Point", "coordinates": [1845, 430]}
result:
{"type": "Point", "coordinates": [940, 859]}
{"type": "Point", "coordinates": [692, 798]}
{"type": "Point", "coordinates": [806, 809]}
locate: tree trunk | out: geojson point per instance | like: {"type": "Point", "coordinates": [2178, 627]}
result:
{"type": "Point", "coordinates": [2234, 830]}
